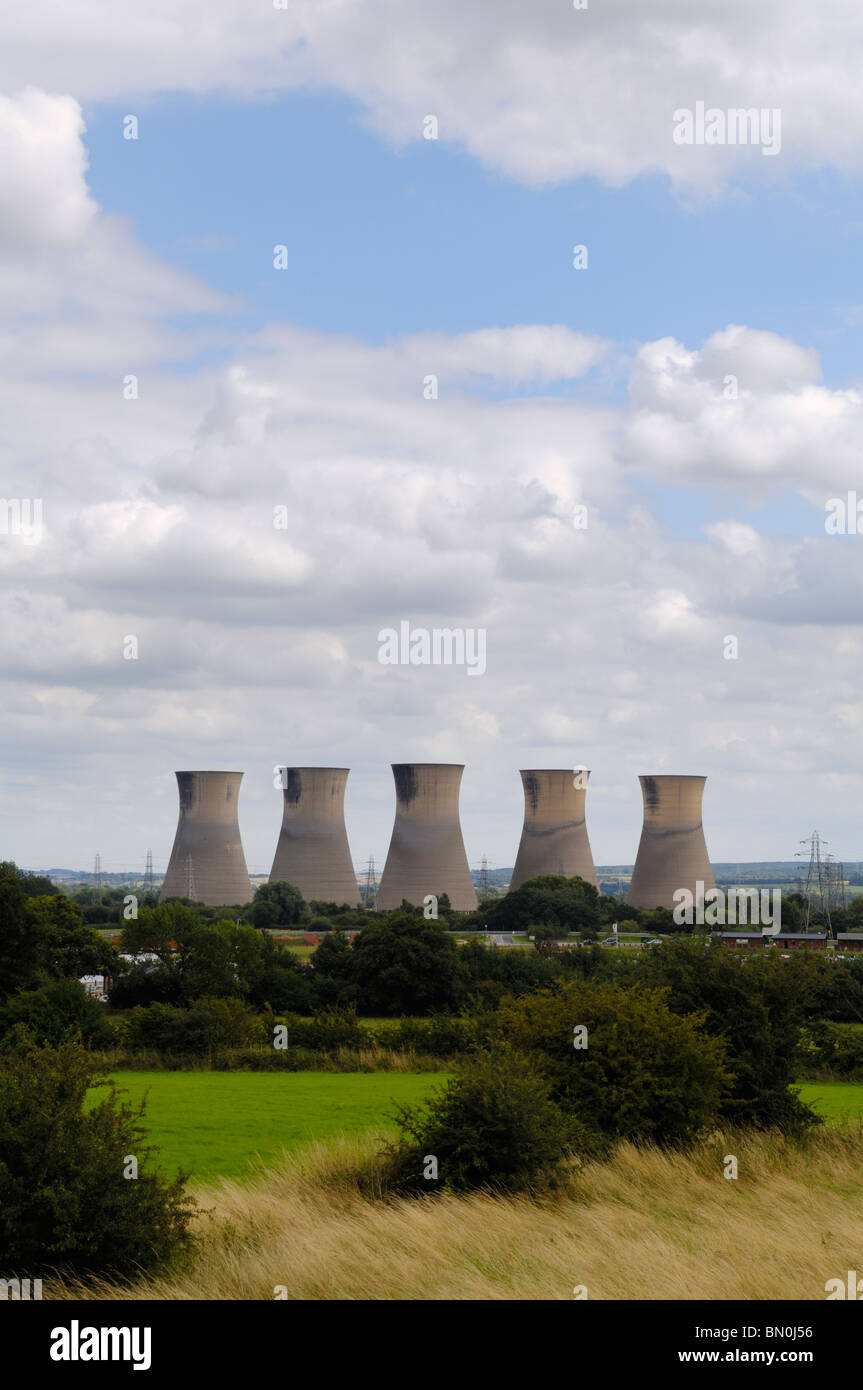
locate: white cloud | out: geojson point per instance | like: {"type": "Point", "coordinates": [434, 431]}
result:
{"type": "Point", "coordinates": [258, 645]}
{"type": "Point", "coordinates": [773, 420]}
{"type": "Point", "coordinates": [541, 92]}
{"type": "Point", "coordinates": [43, 195]}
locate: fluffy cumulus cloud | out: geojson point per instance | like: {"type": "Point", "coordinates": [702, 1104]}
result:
{"type": "Point", "coordinates": [544, 92]}
{"type": "Point", "coordinates": [43, 195]}
{"type": "Point", "coordinates": [747, 407]}
{"type": "Point", "coordinates": [253, 526]}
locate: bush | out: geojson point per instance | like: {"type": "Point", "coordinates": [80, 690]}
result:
{"type": "Point", "coordinates": [327, 1031]}
{"type": "Point", "coordinates": [58, 1010]}
{"type": "Point", "coordinates": [645, 1074]}
{"type": "Point", "coordinates": [493, 1125]}
{"type": "Point", "coordinates": [754, 1002]}
{"type": "Point", "coordinates": [64, 1202]}
{"type": "Point", "coordinates": [442, 1035]}
{"type": "Point", "coordinates": [834, 1048]}
{"type": "Point", "coordinates": [319, 924]}
{"type": "Point", "coordinates": [209, 1023]}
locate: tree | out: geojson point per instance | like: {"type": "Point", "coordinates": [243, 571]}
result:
{"type": "Point", "coordinates": [333, 971]}
{"type": "Point", "coordinates": [21, 940]}
{"type": "Point", "coordinates": [278, 904]}
{"type": "Point", "coordinates": [543, 932]}
{"type": "Point", "coordinates": [637, 1071]}
{"type": "Point", "coordinates": [281, 981]}
{"type": "Point", "coordinates": [65, 1198]}
{"type": "Point", "coordinates": [55, 1011]}
{"type": "Point", "coordinates": [405, 965]}
{"type": "Point", "coordinates": [493, 1125]}
{"type": "Point", "coordinates": [68, 949]}
{"type": "Point", "coordinates": [194, 958]}
{"type": "Point", "coordinates": [566, 904]}
{"type": "Point", "coordinates": [754, 1005]}
{"type": "Point", "coordinates": [36, 885]}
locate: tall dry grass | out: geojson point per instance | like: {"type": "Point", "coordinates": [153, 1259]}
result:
{"type": "Point", "coordinates": [645, 1225]}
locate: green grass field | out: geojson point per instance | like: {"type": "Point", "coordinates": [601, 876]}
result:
{"type": "Point", "coordinates": [835, 1100]}
{"type": "Point", "coordinates": [216, 1124]}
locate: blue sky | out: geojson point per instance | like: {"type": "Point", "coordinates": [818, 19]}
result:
{"type": "Point", "coordinates": [386, 241]}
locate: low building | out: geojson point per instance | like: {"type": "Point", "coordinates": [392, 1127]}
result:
{"type": "Point", "coordinates": [849, 941]}
{"type": "Point", "coordinates": [787, 941]}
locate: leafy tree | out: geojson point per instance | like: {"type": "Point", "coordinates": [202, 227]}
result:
{"type": "Point", "coordinates": [57, 1010]}
{"type": "Point", "coordinates": [281, 981]}
{"type": "Point", "coordinates": [645, 1074]}
{"type": "Point", "coordinates": [68, 948]}
{"type": "Point", "coordinates": [566, 904]}
{"type": "Point", "coordinates": [278, 904]}
{"type": "Point", "coordinates": [405, 965]}
{"type": "Point", "coordinates": [194, 958]}
{"type": "Point", "coordinates": [36, 885]}
{"type": "Point", "coordinates": [542, 932]}
{"type": "Point", "coordinates": [21, 942]}
{"type": "Point", "coordinates": [333, 971]}
{"type": "Point", "coordinates": [493, 1125]}
{"type": "Point", "coordinates": [64, 1200]}
{"type": "Point", "coordinates": [754, 1006]}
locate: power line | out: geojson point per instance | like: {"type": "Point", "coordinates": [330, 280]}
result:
{"type": "Point", "coordinates": [371, 886]}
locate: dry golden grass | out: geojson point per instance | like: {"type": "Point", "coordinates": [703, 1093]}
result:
{"type": "Point", "coordinates": [645, 1225]}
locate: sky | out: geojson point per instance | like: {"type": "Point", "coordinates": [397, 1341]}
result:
{"type": "Point", "coordinates": [247, 463]}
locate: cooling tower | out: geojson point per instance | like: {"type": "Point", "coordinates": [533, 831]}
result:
{"type": "Point", "coordinates": [426, 853]}
{"type": "Point", "coordinates": [207, 862]}
{"type": "Point", "coordinates": [313, 852]}
{"type": "Point", "coordinates": [554, 838]}
{"type": "Point", "coordinates": [671, 853]}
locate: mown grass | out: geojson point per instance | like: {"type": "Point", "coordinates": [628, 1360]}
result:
{"type": "Point", "coordinates": [225, 1124]}
{"type": "Point", "coordinates": [645, 1225]}
{"type": "Point", "coordinates": [835, 1100]}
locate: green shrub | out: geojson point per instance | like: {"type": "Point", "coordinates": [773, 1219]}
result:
{"type": "Point", "coordinates": [319, 924]}
{"type": "Point", "coordinates": [645, 1074]}
{"type": "Point", "coordinates": [442, 1035]}
{"type": "Point", "coordinates": [754, 1002]}
{"type": "Point", "coordinates": [57, 1010]}
{"type": "Point", "coordinates": [64, 1201]}
{"type": "Point", "coordinates": [327, 1031]}
{"type": "Point", "coordinates": [493, 1125]}
{"type": "Point", "coordinates": [835, 1048]}
{"type": "Point", "coordinates": [208, 1023]}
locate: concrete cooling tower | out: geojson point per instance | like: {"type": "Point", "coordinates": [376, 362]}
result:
{"type": "Point", "coordinates": [207, 862]}
{"type": "Point", "coordinates": [426, 853]}
{"type": "Point", "coordinates": [554, 838]}
{"type": "Point", "coordinates": [671, 853]}
{"type": "Point", "coordinates": [313, 851]}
